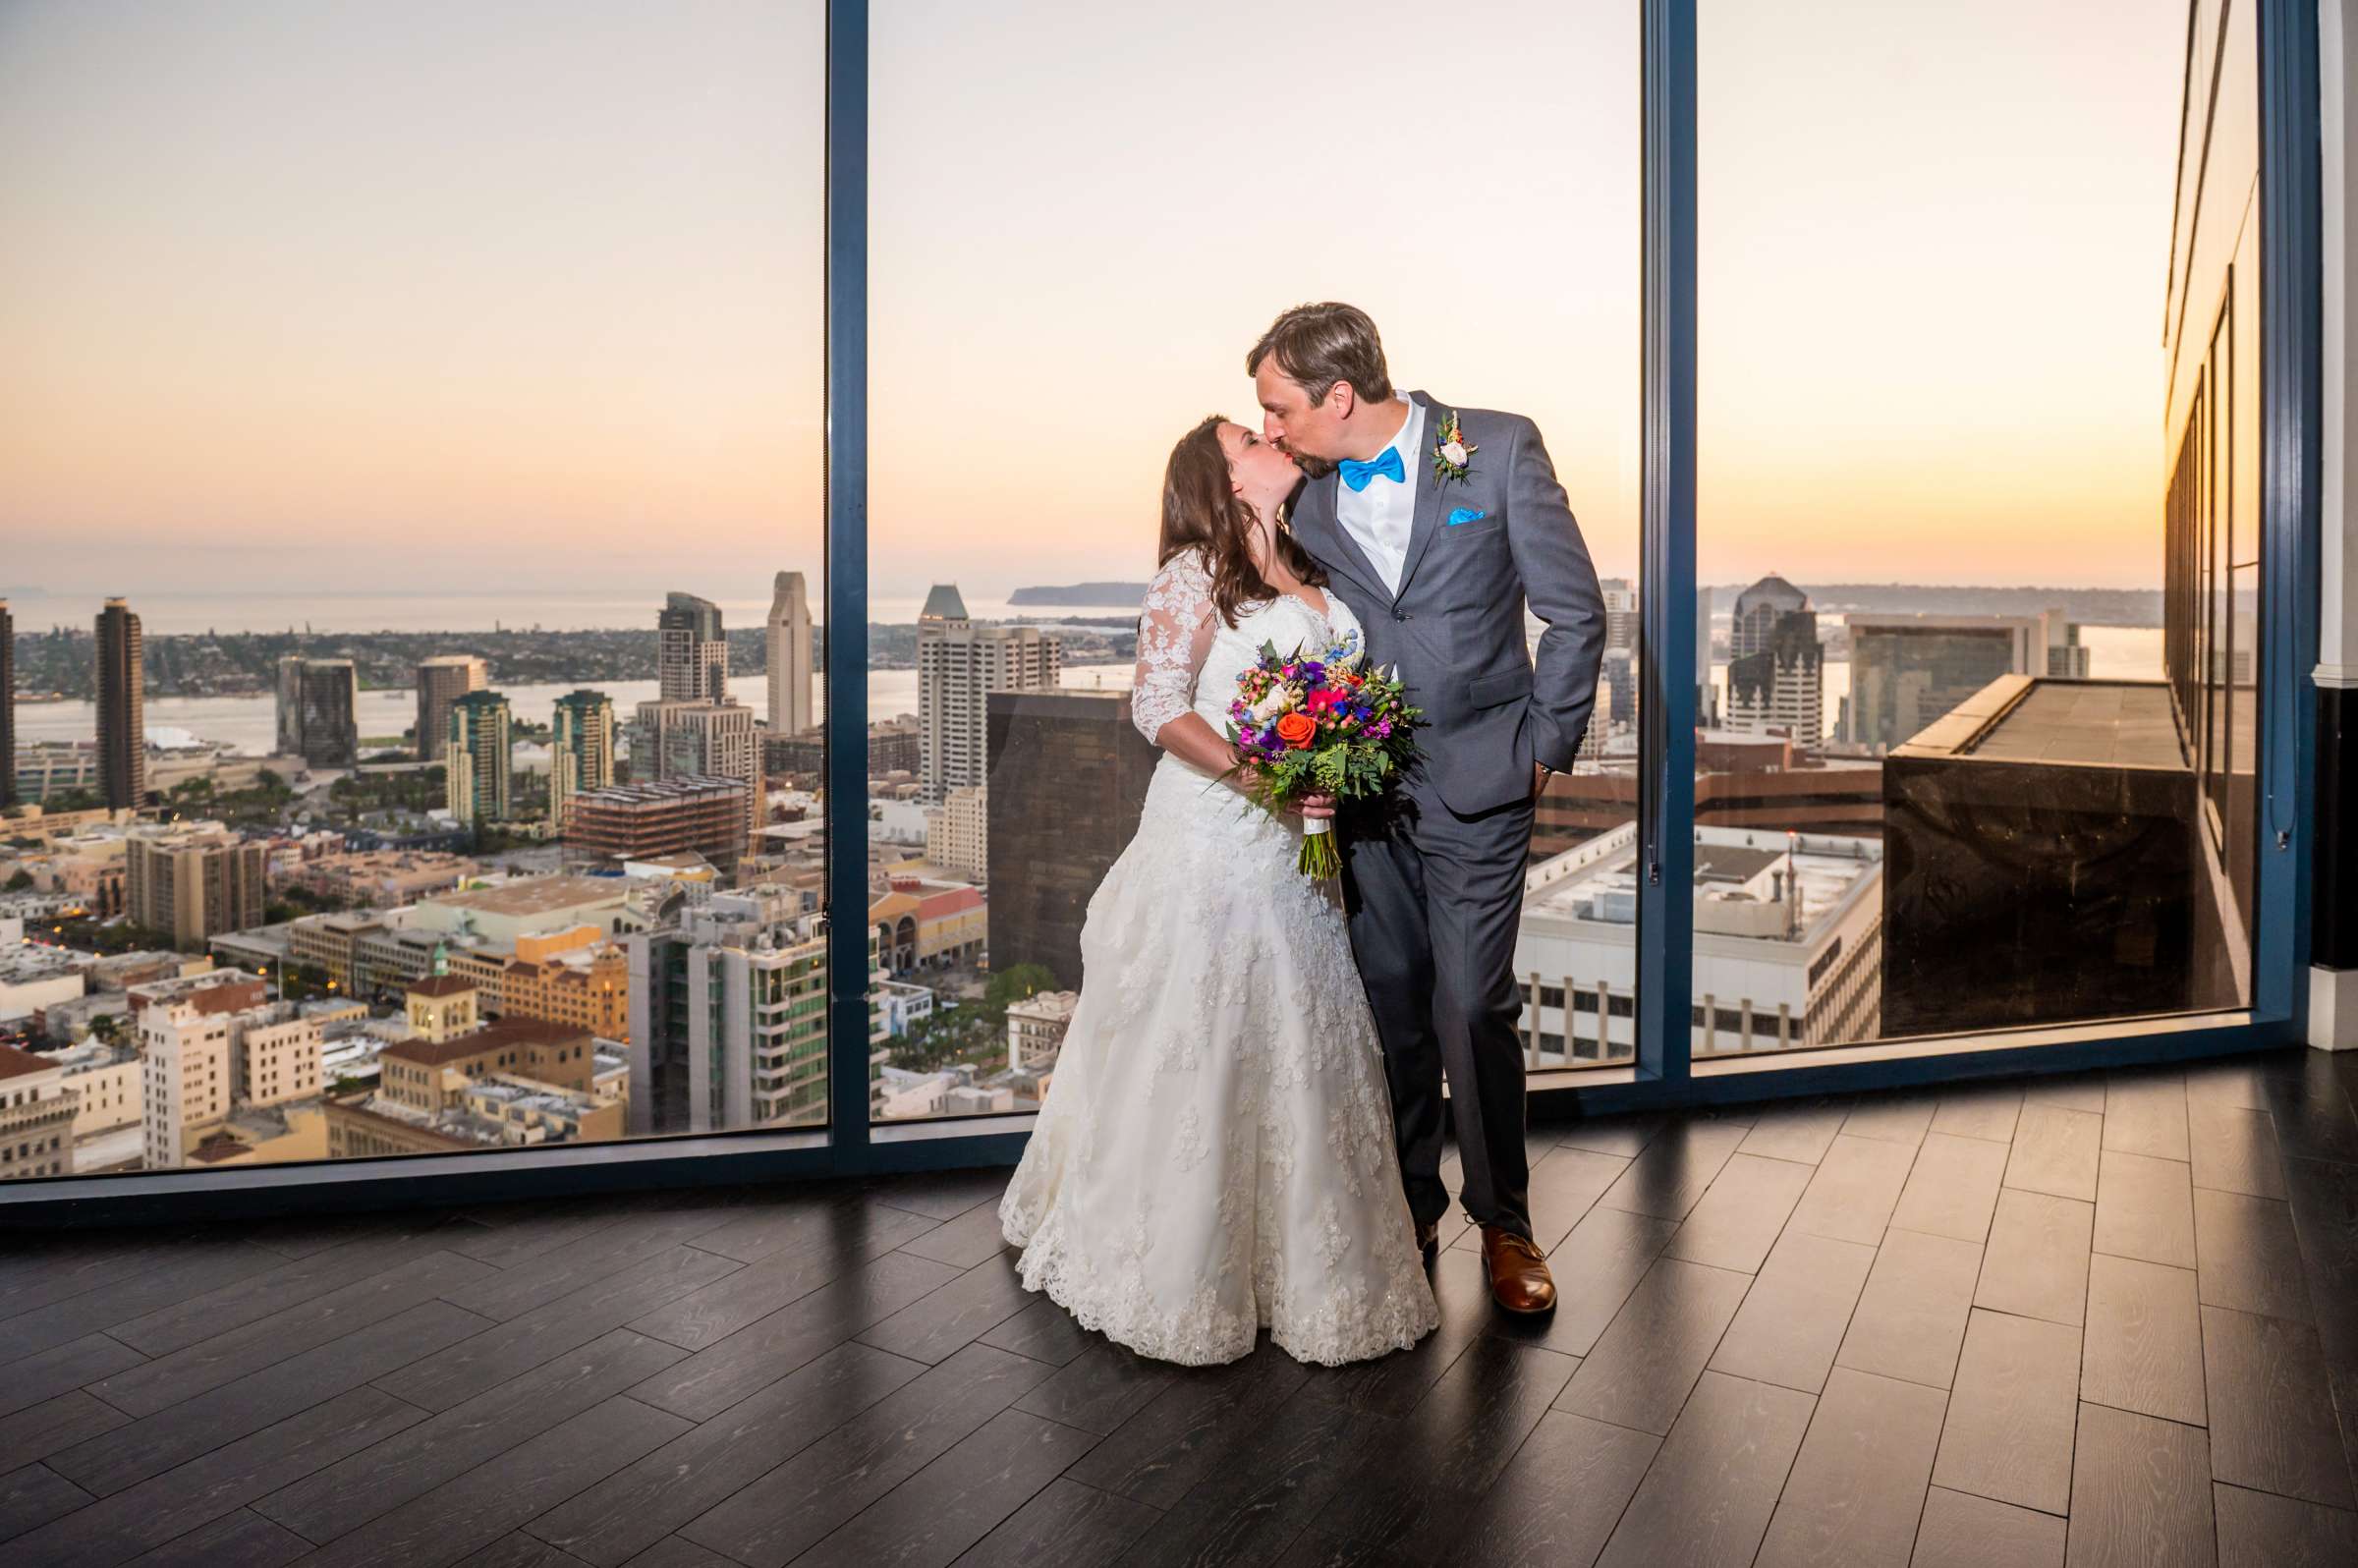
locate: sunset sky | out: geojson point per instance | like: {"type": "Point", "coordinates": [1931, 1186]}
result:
{"type": "Point", "coordinates": [527, 293]}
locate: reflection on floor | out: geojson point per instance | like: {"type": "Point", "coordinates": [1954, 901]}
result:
{"type": "Point", "coordinates": [2115, 1316]}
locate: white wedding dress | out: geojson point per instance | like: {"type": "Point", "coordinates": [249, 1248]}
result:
{"type": "Point", "coordinates": [1214, 1154]}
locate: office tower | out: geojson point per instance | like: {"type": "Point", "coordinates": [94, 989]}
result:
{"type": "Point", "coordinates": [122, 708]}
{"type": "Point", "coordinates": [790, 711]}
{"type": "Point", "coordinates": [1776, 678]}
{"type": "Point", "coordinates": [581, 753]}
{"type": "Point", "coordinates": [476, 763]}
{"type": "Point", "coordinates": [729, 1018]}
{"type": "Point", "coordinates": [193, 885]}
{"type": "Point", "coordinates": [1621, 612]}
{"type": "Point", "coordinates": [958, 666]}
{"type": "Point", "coordinates": [441, 680]}
{"type": "Point", "coordinates": [699, 740]}
{"type": "Point", "coordinates": [8, 706]}
{"type": "Point", "coordinates": [693, 651]}
{"type": "Point", "coordinates": [637, 821]}
{"type": "Point", "coordinates": [958, 833]}
{"type": "Point", "coordinates": [319, 712]}
{"type": "Point", "coordinates": [1907, 672]}
{"type": "Point", "coordinates": [1069, 775]}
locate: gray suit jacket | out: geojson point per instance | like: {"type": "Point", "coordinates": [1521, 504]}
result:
{"type": "Point", "coordinates": [1455, 628]}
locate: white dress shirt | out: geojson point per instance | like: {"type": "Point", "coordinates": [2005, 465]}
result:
{"type": "Point", "coordinates": [1379, 518]}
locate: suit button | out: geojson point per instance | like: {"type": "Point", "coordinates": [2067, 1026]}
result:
{"type": "Point", "coordinates": [1397, 616]}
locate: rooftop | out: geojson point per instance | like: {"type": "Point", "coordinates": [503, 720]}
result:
{"type": "Point", "coordinates": [15, 1063]}
{"type": "Point", "coordinates": [2091, 723]}
{"type": "Point", "coordinates": [540, 895]}
{"type": "Point", "coordinates": [507, 1032]}
{"type": "Point", "coordinates": [442, 986]}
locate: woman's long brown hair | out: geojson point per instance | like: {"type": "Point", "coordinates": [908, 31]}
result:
{"type": "Point", "coordinates": [1201, 512]}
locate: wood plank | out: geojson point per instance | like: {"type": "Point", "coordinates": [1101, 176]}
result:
{"type": "Point", "coordinates": [124, 1306]}
{"type": "Point", "coordinates": [1559, 1499]}
{"type": "Point", "coordinates": [934, 1327]}
{"type": "Point", "coordinates": [2010, 1417]}
{"type": "Point", "coordinates": [375, 1249]}
{"type": "Point", "coordinates": [734, 1298]}
{"type": "Point", "coordinates": [1894, 1117]}
{"type": "Point", "coordinates": [972, 1238]}
{"type": "Point", "coordinates": [32, 1495]}
{"type": "Point", "coordinates": [2311, 1111]}
{"type": "Point", "coordinates": [1624, 1137]}
{"type": "Point", "coordinates": [2260, 1530]}
{"type": "Point", "coordinates": [799, 1503]}
{"type": "Point", "coordinates": [515, 1551]}
{"type": "Point", "coordinates": [2247, 1256]}
{"type": "Point", "coordinates": [1856, 1185]}
{"type": "Point", "coordinates": [931, 1517]}
{"type": "Point", "coordinates": [2055, 1152]}
{"type": "Point", "coordinates": [54, 1425]}
{"type": "Point", "coordinates": [1799, 1133]}
{"type": "Point", "coordinates": [1043, 1331]}
{"type": "Point", "coordinates": [1320, 1548]}
{"type": "Point", "coordinates": [941, 1196]}
{"type": "Point", "coordinates": [632, 1510]}
{"type": "Point", "coordinates": [1395, 1385]}
{"type": "Point", "coordinates": [1707, 1500]}
{"type": "Point", "coordinates": [793, 1221]}
{"type": "Point", "coordinates": [1793, 1319]}
{"type": "Point", "coordinates": [242, 1539]}
{"type": "Point", "coordinates": [1066, 1524]}
{"type": "Point", "coordinates": [1961, 1530]}
{"type": "Point", "coordinates": [2139, 1497]}
{"type": "Point", "coordinates": [673, 1552]}
{"type": "Point", "coordinates": [1565, 1183]}
{"type": "Point", "coordinates": [1099, 1389]}
{"type": "Point", "coordinates": [1200, 1422]}
{"type": "Point", "coordinates": [62, 1369]}
{"type": "Point", "coordinates": [2234, 1149]}
{"type": "Point", "coordinates": [1671, 1175]}
{"type": "Point", "coordinates": [2145, 1340]}
{"type": "Point", "coordinates": [1987, 1111]}
{"type": "Point", "coordinates": [1647, 1362]}
{"type": "Point", "coordinates": [1952, 1189]}
{"type": "Point", "coordinates": [513, 1292]}
{"type": "Point", "coordinates": [170, 1505]}
{"type": "Point", "coordinates": [1252, 1509]}
{"type": "Point", "coordinates": [2145, 1208]}
{"type": "Point", "coordinates": [344, 1497]}
{"type": "Point", "coordinates": [477, 1507]}
{"type": "Point", "coordinates": [1739, 1218]}
{"type": "Point", "coordinates": [1910, 1317]}
{"type": "Point", "coordinates": [2037, 1262]}
{"type": "Point", "coordinates": [1857, 1488]}
{"type": "Point", "coordinates": [2145, 1113]}
{"type": "Point", "coordinates": [1595, 1267]}
{"type": "Point", "coordinates": [2080, 1091]}
{"type": "Point", "coordinates": [2271, 1414]}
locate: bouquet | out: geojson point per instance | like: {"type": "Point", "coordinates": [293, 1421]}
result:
{"type": "Point", "coordinates": [1319, 724]}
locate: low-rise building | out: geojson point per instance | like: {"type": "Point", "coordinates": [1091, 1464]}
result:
{"type": "Point", "coordinates": [34, 977]}
{"type": "Point", "coordinates": [515, 1083]}
{"type": "Point", "coordinates": [37, 1116]}
{"type": "Point", "coordinates": [1035, 1029]}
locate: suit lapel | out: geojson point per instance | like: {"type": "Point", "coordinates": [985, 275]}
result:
{"type": "Point", "coordinates": [1328, 537]}
{"type": "Point", "coordinates": [1427, 518]}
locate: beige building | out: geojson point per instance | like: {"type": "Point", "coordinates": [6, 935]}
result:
{"type": "Point", "coordinates": [505, 915]}
{"type": "Point", "coordinates": [442, 681]}
{"type": "Point", "coordinates": [194, 884]}
{"type": "Point", "coordinates": [37, 1116]}
{"type": "Point", "coordinates": [278, 1062]}
{"type": "Point", "coordinates": [441, 1007]}
{"type": "Point", "coordinates": [958, 833]}
{"type": "Point", "coordinates": [1035, 1029]}
{"type": "Point", "coordinates": [105, 1080]}
{"type": "Point", "coordinates": [959, 664]}
{"type": "Point", "coordinates": [186, 1075]}
{"type": "Point", "coordinates": [517, 1083]}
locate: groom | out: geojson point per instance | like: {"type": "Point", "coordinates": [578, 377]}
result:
{"type": "Point", "coordinates": [1436, 524]}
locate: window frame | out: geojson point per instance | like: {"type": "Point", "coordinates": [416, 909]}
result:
{"type": "Point", "coordinates": [1664, 1074]}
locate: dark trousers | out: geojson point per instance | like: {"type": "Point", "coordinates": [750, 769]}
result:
{"type": "Point", "coordinates": [1435, 899]}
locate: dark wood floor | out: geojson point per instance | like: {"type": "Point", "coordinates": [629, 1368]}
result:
{"type": "Point", "coordinates": [2095, 1320]}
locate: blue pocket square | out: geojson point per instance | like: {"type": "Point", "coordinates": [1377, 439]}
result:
{"type": "Point", "coordinates": [1467, 513]}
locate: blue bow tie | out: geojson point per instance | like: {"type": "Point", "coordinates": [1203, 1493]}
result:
{"type": "Point", "coordinates": [1357, 474]}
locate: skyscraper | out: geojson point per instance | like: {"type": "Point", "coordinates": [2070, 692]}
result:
{"type": "Point", "coordinates": [441, 680]}
{"type": "Point", "coordinates": [581, 753]}
{"type": "Point", "coordinates": [692, 658]}
{"type": "Point", "coordinates": [789, 657]}
{"type": "Point", "coordinates": [8, 706]}
{"type": "Point", "coordinates": [122, 708]}
{"type": "Point", "coordinates": [1776, 675]}
{"type": "Point", "coordinates": [1907, 671]}
{"type": "Point", "coordinates": [729, 1018]}
{"type": "Point", "coordinates": [193, 885]}
{"type": "Point", "coordinates": [703, 740]}
{"type": "Point", "coordinates": [477, 762]}
{"type": "Point", "coordinates": [958, 666]}
{"type": "Point", "coordinates": [319, 712]}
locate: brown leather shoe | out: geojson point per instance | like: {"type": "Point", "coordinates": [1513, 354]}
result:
{"type": "Point", "coordinates": [1519, 1277]}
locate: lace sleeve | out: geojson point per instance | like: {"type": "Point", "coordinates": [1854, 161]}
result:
{"type": "Point", "coordinates": [1174, 634]}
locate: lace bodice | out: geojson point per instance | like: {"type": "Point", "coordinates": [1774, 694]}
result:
{"type": "Point", "coordinates": [1189, 659]}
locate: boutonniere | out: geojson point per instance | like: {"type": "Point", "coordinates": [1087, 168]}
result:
{"type": "Point", "coordinates": [1452, 453]}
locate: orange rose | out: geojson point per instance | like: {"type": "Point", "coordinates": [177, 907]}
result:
{"type": "Point", "coordinates": [1295, 729]}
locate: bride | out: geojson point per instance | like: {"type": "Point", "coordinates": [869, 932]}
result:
{"type": "Point", "coordinates": [1215, 1151]}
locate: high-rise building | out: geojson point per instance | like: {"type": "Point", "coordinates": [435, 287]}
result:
{"type": "Point", "coordinates": [122, 708]}
{"type": "Point", "coordinates": [729, 1018]}
{"type": "Point", "coordinates": [581, 753]}
{"type": "Point", "coordinates": [8, 706]}
{"type": "Point", "coordinates": [477, 762]}
{"type": "Point", "coordinates": [959, 664]}
{"type": "Point", "coordinates": [958, 833]}
{"type": "Point", "coordinates": [1621, 612]}
{"type": "Point", "coordinates": [194, 884]}
{"type": "Point", "coordinates": [441, 680]}
{"type": "Point", "coordinates": [1909, 671]}
{"type": "Point", "coordinates": [693, 651]}
{"type": "Point", "coordinates": [319, 712]}
{"type": "Point", "coordinates": [639, 822]}
{"type": "Point", "coordinates": [699, 740]}
{"type": "Point", "coordinates": [1776, 677]}
{"type": "Point", "coordinates": [790, 657]}
{"type": "Point", "coordinates": [1069, 782]}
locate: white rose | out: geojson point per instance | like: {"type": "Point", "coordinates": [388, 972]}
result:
{"type": "Point", "coordinates": [1280, 699]}
{"type": "Point", "coordinates": [1455, 454]}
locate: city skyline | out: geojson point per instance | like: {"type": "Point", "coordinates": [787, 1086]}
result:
{"type": "Point", "coordinates": [292, 363]}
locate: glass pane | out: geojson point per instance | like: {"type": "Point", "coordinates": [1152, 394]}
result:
{"type": "Point", "coordinates": [412, 415]}
{"type": "Point", "coordinates": [1082, 219]}
{"type": "Point", "coordinates": [1980, 674]}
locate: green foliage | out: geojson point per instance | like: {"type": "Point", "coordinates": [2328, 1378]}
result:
{"type": "Point", "coordinates": [1011, 986]}
{"type": "Point", "coordinates": [19, 881]}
